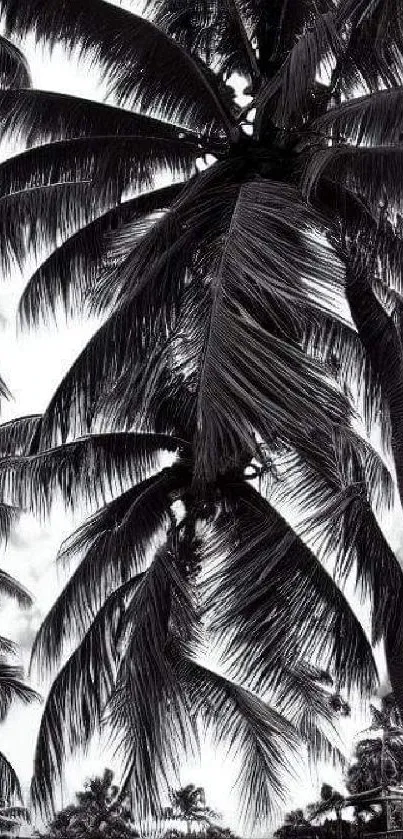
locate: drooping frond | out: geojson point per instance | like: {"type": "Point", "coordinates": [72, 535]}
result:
{"type": "Point", "coordinates": [86, 469]}
{"type": "Point", "coordinates": [145, 66]}
{"type": "Point", "coordinates": [372, 120]}
{"type": "Point", "coordinates": [39, 216]}
{"type": "Point", "coordinates": [276, 26]}
{"type": "Point", "coordinates": [68, 276]}
{"type": "Point", "coordinates": [293, 90]}
{"type": "Point", "coordinates": [16, 436]}
{"type": "Point", "coordinates": [375, 44]}
{"type": "Point", "coordinates": [245, 726]}
{"type": "Point", "coordinates": [14, 71]}
{"type": "Point", "coordinates": [304, 699]}
{"type": "Point", "coordinates": [9, 587]}
{"type": "Point", "coordinates": [75, 704]}
{"type": "Point", "coordinates": [213, 30]}
{"type": "Point", "coordinates": [272, 600]}
{"type": "Point", "coordinates": [110, 164]}
{"type": "Point", "coordinates": [373, 172]}
{"type": "Point", "coordinates": [41, 116]}
{"type": "Point", "coordinates": [12, 688]}
{"type": "Point", "coordinates": [9, 784]}
{"type": "Point", "coordinates": [113, 545]}
{"type": "Point", "coordinates": [147, 710]}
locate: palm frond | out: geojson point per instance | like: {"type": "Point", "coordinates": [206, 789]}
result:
{"type": "Point", "coordinates": [372, 120]}
{"type": "Point", "coordinates": [113, 545]}
{"type": "Point", "coordinates": [147, 711]}
{"type": "Point", "coordinates": [87, 469]}
{"type": "Point", "coordinates": [40, 116]}
{"type": "Point", "coordinates": [303, 699]}
{"type": "Point", "coordinates": [11, 588]}
{"type": "Point", "coordinates": [110, 163]}
{"type": "Point", "coordinates": [145, 66]}
{"type": "Point", "coordinates": [16, 436]}
{"type": "Point", "coordinates": [245, 726]}
{"type": "Point", "coordinates": [293, 90]}
{"type": "Point", "coordinates": [9, 784]}
{"type": "Point", "coordinates": [75, 704]}
{"type": "Point", "coordinates": [7, 647]}
{"type": "Point", "coordinates": [12, 688]}
{"type": "Point", "coordinates": [381, 339]}
{"type": "Point", "coordinates": [375, 44]}
{"type": "Point", "coordinates": [276, 26]}
{"type": "Point", "coordinates": [259, 596]}
{"type": "Point", "coordinates": [68, 276]}
{"type": "Point", "coordinates": [373, 172]}
{"type": "Point", "coordinates": [42, 215]}
{"type": "Point", "coordinates": [215, 31]}
{"type": "Point", "coordinates": [14, 70]}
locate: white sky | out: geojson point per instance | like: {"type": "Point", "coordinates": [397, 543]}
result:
{"type": "Point", "coordinates": [32, 365]}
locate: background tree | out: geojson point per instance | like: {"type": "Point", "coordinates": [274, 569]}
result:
{"type": "Point", "coordinates": [220, 348]}
{"type": "Point", "coordinates": [98, 813]}
{"type": "Point", "coordinates": [188, 803]}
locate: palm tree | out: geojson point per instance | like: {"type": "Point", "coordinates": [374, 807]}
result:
{"type": "Point", "coordinates": [98, 814]}
{"type": "Point", "coordinates": [223, 351]}
{"type": "Point", "coordinates": [188, 804]}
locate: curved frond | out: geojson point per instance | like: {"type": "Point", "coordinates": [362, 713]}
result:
{"type": "Point", "coordinates": [14, 70]}
{"type": "Point", "coordinates": [245, 726]}
{"type": "Point", "coordinates": [293, 90]}
{"type": "Point", "coordinates": [77, 698]}
{"type": "Point", "coordinates": [145, 66]}
{"type": "Point", "coordinates": [9, 784]}
{"type": "Point", "coordinates": [213, 30]}
{"type": "Point", "coordinates": [303, 698]}
{"type": "Point", "coordinates": [113, 545]}
{"type": "Point", "coordinates": [12, 688]}
{"type": "Point", "coordinates": [146, 710]}
{"type": "Point", "coordinates": [16, 436]}
{"type": "Point", "coordinates": [68, 276]}
{"type": "Point", "coordinates": [41, 116]}
{"type": "Point", "coordinates": [86, 469]}
{"type": "Point", "coordinates": [372, 120]}
{"type": "Point", "coordinates": [42, 215]}
{"type": "Point", "coordinates": [13, 589]}
{"type": "Point", "coordinates": [373, 171]}
{"type": "Point", "coordinates": [272, 600]}
{"type": "Point", "coordinates": [110, 163]}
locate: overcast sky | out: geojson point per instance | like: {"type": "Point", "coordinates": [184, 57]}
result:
{"type": "Point", "coordinates": [32, 365]}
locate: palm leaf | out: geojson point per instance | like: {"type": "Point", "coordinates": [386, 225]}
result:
{"type": "Point", "coordinates": [259, 596]}
{"type": "Point", "coordinates": [87, 469]}
{"type": "Point", "coordinates": [41, 116]}
{"type": "Point", "coordinates": [245, 726]}
{"type": "Point", "coordinates": [16, 436]}
{"type": "Point", "coordinates": [77, 697]}
{"type": "Point", "coordinates": [111, 164]}
{"type": "Point", "coordinates": [12, 688]}
{"type": "Point", "coordinates": [214, 30]}
{"type": "Point", "coordinates": [41, 215]}
{"type": "Point", "coordinates": [9, 784]}
{"type": "Point", "coordinates": [145, 66]}
{"type": "Point", "coordinates": [147, 712]}
{"type": "Point", "coordinates": [289, 95]}
{"type": "Point", "coordinates": [14, 71]}
{"type": "Point", "coordinates": [303, 699]}
{"type": "Point", "coordinates": [11, 588]}
{"type": "Point", "coordinates": [113, 545]}
{"type": "Point", "coordinates": [372, 172]}
{"type": "Point", "coordinates": [372, 120]}
{"type": "Point", "coordinates": [69, 274]}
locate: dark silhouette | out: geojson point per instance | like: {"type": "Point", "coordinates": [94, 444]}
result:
{"type": "Point", "coordinates": [220, 391]}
